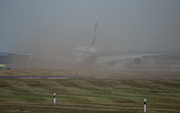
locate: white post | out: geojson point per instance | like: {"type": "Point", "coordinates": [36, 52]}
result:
{"type": "Point", "coordinates": [54, 98]}
{"type": "Point", "coordinates": [144, 105]}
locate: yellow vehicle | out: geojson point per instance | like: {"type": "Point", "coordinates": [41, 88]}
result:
{"type": "Point", "coordinates": [2, 66]}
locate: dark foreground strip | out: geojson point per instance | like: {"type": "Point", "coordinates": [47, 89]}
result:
{"type": "Point", "coordinates": [79, 77]}
{"type": "Point", "coordinates": [46, 77]}
{"type": "Point", "coordinates": [34, 77]}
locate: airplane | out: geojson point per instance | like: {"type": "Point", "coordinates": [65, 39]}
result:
{"type": "Point", "coordinates": [88, 56]}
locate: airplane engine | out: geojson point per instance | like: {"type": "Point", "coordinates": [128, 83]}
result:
{"type": "Point", "coordinates": [111, 63]}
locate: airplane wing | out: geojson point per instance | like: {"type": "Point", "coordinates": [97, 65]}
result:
{"type": "Point", "coordinates": [23, 54]}
{"type": "Point", "coordinates": [107, 59]}
{"type": "Point", "coordinates": [35, 60]}
{"type": "Point", "coordinates": [48, 58]}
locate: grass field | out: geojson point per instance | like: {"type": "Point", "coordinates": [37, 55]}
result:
{"type": "Point", "coordinates": [89, 95]}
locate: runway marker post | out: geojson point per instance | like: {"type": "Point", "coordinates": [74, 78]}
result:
{"type": "Point", "coordinates": [54, 98]}
{"type": "Point", "coordinates": [144, 105]}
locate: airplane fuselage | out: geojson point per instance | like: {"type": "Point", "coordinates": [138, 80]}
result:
{"type": "Point", "coordinates": [85, 55]}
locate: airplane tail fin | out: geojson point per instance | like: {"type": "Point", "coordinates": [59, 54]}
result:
{"type": "Point", "coordinates": [94, 34]}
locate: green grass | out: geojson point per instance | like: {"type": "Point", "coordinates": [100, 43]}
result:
{"type": "Point", "coordinates": [89, 95]}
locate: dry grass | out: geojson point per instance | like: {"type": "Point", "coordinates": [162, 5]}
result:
{"type": "Point", "coordinates": [86, 73]}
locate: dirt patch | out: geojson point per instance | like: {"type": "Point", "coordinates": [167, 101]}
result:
{"type": "Point", "coordinates": [125, 101]}
{"type": "Point", "coordinates": [35, 83]}
{"type": "Point", "coordinates": [4, 84]}
{"type": "Point", "coordinates": [160, 91]}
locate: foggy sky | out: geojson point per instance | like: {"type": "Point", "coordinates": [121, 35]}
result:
{"type": "Point", "coordinates": [55, 25]}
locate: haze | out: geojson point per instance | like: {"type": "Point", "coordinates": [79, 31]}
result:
{"type": "Point", "coordinates": [41, 26]}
